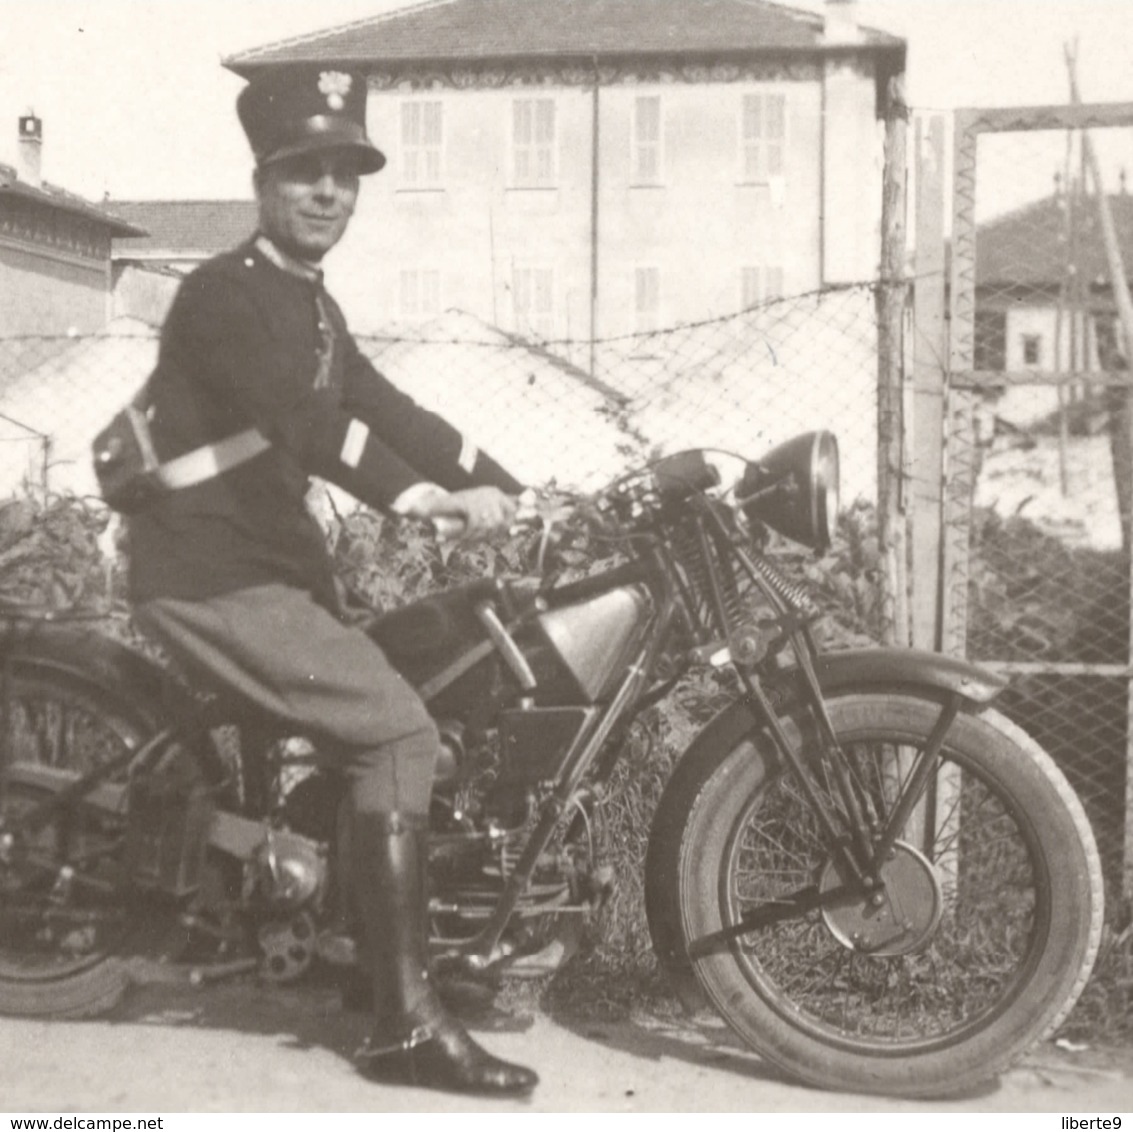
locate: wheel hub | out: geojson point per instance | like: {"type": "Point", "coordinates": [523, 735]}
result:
{"type": "Point", "coordinates": [897, 916]}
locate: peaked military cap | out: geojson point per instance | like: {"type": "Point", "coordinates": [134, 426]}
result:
{"type": "Point", "coordinates": [291, 111]}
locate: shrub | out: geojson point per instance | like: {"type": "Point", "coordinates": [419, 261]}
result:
{"type": "Point", "coordinates": [51, 554]}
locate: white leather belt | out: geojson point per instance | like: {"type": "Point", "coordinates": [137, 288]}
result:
{"type": "Point", "coordinates": [212, 459]}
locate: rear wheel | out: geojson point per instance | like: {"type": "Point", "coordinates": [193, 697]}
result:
{"type": "Point", "coordinates": [68, 920]}
{"type": "Point", "coordinates": [979, 942]}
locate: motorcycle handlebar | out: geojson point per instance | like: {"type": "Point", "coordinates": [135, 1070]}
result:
{"type": "Point", "coordinates": [528, 517]}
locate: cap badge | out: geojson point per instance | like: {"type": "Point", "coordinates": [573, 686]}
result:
{"type": "Point", "coordinates": [335, 85]}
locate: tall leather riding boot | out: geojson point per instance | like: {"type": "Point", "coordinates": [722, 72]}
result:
{"type": "Point", "coordinates": [415, 1040]}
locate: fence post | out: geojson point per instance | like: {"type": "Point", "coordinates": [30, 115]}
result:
{"type": "Point", "coordinates": [46, 465]}
{"type": "Point", "coordinates": [961, 457]}
{"type": "Point", "coordinates": [1121, 440]}
{"type": "Point", "coordinates": [891, 301]}
{"type": "Point", "coordinates": [929, 371]}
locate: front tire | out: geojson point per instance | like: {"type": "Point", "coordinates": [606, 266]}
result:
{"type": "Point", "coordinates": [999, 879]}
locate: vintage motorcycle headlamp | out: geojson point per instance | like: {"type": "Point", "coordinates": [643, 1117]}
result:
{"type": "Point", "coordinates": [794, 489]}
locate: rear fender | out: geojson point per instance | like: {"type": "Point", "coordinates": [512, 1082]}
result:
{"type": "Point", "coordinates": [122, 674]}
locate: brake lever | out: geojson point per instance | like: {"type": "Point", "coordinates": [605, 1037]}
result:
{"type": "Point", "coordinates": [528, 514]}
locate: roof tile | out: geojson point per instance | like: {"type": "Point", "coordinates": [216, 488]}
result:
{"type": "Point", "coordinates": [191, 227]}
{"type": "Point", "coordinates": [471, 30]}
{"type": "Point", "coordinates": [1029, 247]}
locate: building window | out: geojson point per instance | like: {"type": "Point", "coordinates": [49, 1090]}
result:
{"type": "Point", "coordinates": [760, 284]}
{"type": "Point", "coordinates": [533, 141]}
{"type": "Point", "coordinates": [419, 297]}
{"type": "Point", "coordinates": [533, 301]}
{"type": "Point", "coordinates": [763, 136]}
{"type": "Point", "coordinates": [1032, 349]}
{"type": "Point", "coordinates": [647, 140]}
{"type": "Point", "coordinates": [646, 299]}
{"type": "Point", "coordinates": [422, 141]}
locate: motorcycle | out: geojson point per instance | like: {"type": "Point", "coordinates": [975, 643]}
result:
{"type": "Point", "coordinates": [874, 878]}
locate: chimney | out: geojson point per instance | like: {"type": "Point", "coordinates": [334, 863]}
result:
{"type": "Point", "coordinates": [841, 23]}
{"type": "Point", "coordinates": [30, 149]}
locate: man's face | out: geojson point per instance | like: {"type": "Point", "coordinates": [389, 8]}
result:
{"type": "Point", "coordinates": [306, 201]}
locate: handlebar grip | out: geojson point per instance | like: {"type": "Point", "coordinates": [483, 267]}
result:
{"type": "Point", "coordinates": [448, 527]}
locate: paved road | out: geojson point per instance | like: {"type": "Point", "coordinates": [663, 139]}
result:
{"type": "Point", "coordinates": [239, 1047]}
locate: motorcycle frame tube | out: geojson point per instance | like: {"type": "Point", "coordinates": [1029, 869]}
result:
{"type": "Point", "coordinates": [625, 702]}
{"type": "Point", "coordinates": [38, 816]}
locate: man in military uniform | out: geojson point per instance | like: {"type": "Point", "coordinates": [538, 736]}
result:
{"type": "Point", "coordinates": [258, 386]}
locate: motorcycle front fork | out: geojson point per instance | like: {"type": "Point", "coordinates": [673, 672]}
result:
{"type": "Point", "coordinates": [858, 843]}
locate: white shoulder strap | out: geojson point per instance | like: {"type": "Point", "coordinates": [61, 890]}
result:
{"type": "Point", "coordinates": [212, 459]}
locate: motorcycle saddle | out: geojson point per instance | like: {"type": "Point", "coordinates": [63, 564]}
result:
{"type": "Point", "coordinates": [435, 629]}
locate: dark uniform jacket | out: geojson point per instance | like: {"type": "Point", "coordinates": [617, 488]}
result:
{"type": "Point", "coordinates": [251, 341]}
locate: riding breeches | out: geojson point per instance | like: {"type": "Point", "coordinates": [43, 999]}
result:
{"type": "Point", "coordinates": [276, 647]}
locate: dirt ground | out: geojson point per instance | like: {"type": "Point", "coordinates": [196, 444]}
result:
{"type": "Point", "coordinates": [244, 1047]}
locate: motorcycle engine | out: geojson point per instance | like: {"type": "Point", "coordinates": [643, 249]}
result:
{"type": "Point", "coordinates": [287, 871]}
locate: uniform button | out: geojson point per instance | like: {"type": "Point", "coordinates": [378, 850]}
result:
{"type": "Point", "coordinates": [249, 262]}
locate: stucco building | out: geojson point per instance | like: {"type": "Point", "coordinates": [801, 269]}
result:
{"type": "Point", "coordinates": [55, 275]}
{"type": "Point", "coordinates": [599, 167]}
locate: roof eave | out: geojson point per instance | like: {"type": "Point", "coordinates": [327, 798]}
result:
{"type": "Point", "coordinates": [897, 48]}
{"type": "Point", "coordinates": [90, 212]}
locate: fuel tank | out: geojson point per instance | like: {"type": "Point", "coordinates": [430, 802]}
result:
{"type": "Point", "coordinates": [579, 652]}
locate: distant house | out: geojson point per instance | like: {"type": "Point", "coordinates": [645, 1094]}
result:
{"type": "Point", "coordinates": [1045, 303]}
{"type": "Point", "coordinates": [55, 275]}
{"type": "Point", "coordinates": [1042, 277]}
{"type": "Point", "coordinates": [176, 235]}
{"type": "Point", "coordinates": [600, 167]}
{"type": "Point", "coordinates": [179, 234]}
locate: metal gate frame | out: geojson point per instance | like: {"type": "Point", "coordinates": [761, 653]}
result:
{"type": "Point", "coordinates": [957, 401]}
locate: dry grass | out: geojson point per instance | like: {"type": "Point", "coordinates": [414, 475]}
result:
{"type": "Point", "coordinates": [1104, 1014]}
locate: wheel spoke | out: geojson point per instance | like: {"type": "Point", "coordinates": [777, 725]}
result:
{"type": "Point", "coordinates": [61, 879]}
{"type": "Point", "coordinates": [986, 915]}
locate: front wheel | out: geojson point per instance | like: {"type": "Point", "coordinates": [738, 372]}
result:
{"type": "Point", "coordinates": [978, 945]}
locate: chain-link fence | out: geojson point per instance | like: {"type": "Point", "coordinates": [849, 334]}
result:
{"type": "Point", "coordinates": [1046, 571]}
{"type": "Point", "coordinates": [1047, 447]}
{"type": "Point", "coordinates": [571, 413]}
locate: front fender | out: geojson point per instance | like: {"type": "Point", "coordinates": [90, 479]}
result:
{"type": "Point", "coordinates": [854, 668]}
